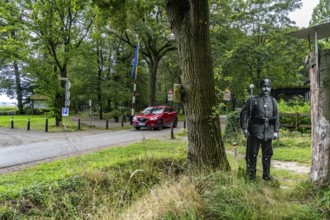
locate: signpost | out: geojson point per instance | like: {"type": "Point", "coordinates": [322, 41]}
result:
{"type": "Point", "coordinates": [226, 97]}
{"type": "Point", "coordinates": [65, 109]}
{"type": "Point", "coordinates": [170, 95]}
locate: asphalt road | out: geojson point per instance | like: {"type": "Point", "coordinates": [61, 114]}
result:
{"type": "Point", "coordinates": [19, 146]}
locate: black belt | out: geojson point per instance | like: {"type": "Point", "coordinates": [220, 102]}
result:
{"type": "Point", "coordinates": [263, 120]}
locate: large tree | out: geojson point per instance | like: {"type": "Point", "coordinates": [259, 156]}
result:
{"type": "Point", "coordinates": [59, 28]}
{"type": "Point", "coordinates": [320, 13]}
{"type": "Point", "coordinates": [249, 43]}
{"type": "Point", "coordinates": [12, 50]}
{"type": "Point", "coordinates": [143, 21]}
{"type": "Point", "coordinates": [189, 21]}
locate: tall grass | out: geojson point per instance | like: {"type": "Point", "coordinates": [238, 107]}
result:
{"type": "Point", "coordinates": [149, 180]}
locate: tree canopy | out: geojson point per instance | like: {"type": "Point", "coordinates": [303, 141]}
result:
{"type": "Point", "coordinates": [92, 44]}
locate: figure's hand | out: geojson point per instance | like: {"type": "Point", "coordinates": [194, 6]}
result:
{"type": "Point", "coordinates": [275, 136]}
{"type": "Point", "coordinates": [246, 133]}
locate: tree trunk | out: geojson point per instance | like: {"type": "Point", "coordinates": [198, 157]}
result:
{"type": "Point", "coordinates": [189, 20]}
{"type": "Point", "coordinates": [320, 113]}
{"type": "Point", "coordinates": [99, 93]}
{"type": "Point", "coordinates": [19, 92]}
{"type": "Point", "coordinates": [153, 68]}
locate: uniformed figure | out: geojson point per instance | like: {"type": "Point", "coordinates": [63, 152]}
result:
{"type": "Point", "coordinates": [260, 123]}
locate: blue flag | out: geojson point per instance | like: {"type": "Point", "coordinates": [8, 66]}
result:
{"type": "Point", "coordinates": [135, 60]}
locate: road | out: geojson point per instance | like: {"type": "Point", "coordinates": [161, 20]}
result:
{"type": "Point", "coordinates": [18, 146]}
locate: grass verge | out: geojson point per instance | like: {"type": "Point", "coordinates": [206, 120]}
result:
{"type": "Point", "coordinates": [148, 180]}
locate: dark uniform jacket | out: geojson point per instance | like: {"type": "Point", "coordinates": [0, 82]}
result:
{"type": "Point", "coordinates": [260, 117]}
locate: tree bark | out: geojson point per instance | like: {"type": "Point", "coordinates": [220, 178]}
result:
{"type": "Point", "coordinates": [320, 114]}
{"type": "Point", "coordinates": [189, 21]}
{"type": "Point", "coordinates": [19, 92]}
{"type": "Point", "coordinates": [153, 70]}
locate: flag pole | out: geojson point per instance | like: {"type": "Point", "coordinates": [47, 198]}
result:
{"type": "Point", "coordinates": [135, 65]}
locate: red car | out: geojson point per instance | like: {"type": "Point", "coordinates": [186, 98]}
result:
{"type": "Point", "coordinates": [156, 117]}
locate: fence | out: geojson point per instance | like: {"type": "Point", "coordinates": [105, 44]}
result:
{"type": "Point", "coordinates": [295, 120]}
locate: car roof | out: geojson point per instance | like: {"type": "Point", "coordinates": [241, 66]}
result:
{"type": "Point", "coordinates": [159, 106]}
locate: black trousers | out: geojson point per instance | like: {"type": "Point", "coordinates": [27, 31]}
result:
{"type": "Point", "coordinates": [254, 146]}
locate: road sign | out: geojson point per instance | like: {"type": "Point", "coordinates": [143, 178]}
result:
{"type": "Point", "coordinates": [170, 95]}
{"type": "Point", "coordinates": [67, 93]}
{"type": "Point", "coordinates": [65, 111]}
{"type": "Point", "coordinates": [226, 95]}
{"type": "Point", "coordinates": [68, 85]}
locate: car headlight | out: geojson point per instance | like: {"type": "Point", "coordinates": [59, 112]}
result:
{"type": "Point", "coordinates": [134, 118]}
{"type": "Point", "coordinates": [154, 118]}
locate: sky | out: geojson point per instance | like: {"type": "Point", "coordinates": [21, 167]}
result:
{"type": "Point", "coordinates": [301, 17]}
{"type": "Point", "coordinates": [304, 14]}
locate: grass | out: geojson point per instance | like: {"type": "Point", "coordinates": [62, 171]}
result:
{"type": "Point", "coordinates": [38, 123]}
{"type": "Point", "coordinates": [148, 180]}
{"type": "Point", "coordinates": [291, 146]}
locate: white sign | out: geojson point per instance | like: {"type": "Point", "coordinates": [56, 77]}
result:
{"type": "Point", "coordinates": [65, 111]}
{"type": "Point", "coordinates": [170, 97]}
{"type": "Point", "coordinates": [226, 95]}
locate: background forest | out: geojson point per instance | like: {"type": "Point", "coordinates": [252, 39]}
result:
{"type": "Point", "coordinates": [92, 44]}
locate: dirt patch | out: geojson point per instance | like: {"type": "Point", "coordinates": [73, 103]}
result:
{"type": "Point", "coordinates": [292, 166]}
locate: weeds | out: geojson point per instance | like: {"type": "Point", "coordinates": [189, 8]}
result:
{"type": "Point", "coordinates": [149, 181]}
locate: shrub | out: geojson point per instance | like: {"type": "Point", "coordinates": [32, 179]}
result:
{"type": "Point", "coordinates": [232, 129]}
{"type": "Point", "coordinates": [294, 106]}
{"type": "Point", "coordinates": [8, 110]}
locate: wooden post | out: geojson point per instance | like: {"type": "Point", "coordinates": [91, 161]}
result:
{"type": "Point", "coordinates": [320, 117]}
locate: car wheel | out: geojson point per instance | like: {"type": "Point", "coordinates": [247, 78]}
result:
{"type": "Point", "coordinates": [160, 125]}
{"type": "Point", "coordinates": [137, 128]}
{"type": "Point", "coordinates": [175, 123]}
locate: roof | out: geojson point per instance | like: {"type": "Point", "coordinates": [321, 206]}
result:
{"type": "Point", "coordinates": [323, 31]}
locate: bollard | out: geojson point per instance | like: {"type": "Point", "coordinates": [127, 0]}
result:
{"type": "Point", "coordinates": [12, 123]}
{"type": "Point", "coordinates": [184, 124]}
{"type": "Point", "coordinates": [28, 124]}
{"type": "Point", "coordinates": [122, 121]}
{"type": "Point", "coordinates": [79, 124]}
{"type": "Point", "coordinates": [107, 123]}
{"type": "Point", "coordinates": [46, 126]}
{"type": "Point", "coordinates": [172, 133]}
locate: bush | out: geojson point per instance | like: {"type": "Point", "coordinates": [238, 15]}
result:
{"type": "Point", "coordinates": [232, 129]}
{"type": "Point", "coordinates": [8, 110]}
{"type": "Point", "coordinates": [294, 106]}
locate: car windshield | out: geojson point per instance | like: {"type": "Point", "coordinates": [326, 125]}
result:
{"type": "Point", "coordinates": [153, 111]}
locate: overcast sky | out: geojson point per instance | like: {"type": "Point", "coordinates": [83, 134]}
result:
{"type": "Point", "coordinates": [304, 15]}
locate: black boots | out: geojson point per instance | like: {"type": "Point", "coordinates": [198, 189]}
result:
{"type": "Point", "coordinates": [251, 165]}
{"type": "Point", "coordinates": [266, 168]}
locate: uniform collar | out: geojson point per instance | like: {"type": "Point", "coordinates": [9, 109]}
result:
{"type": "Point", "coordinates": [264, 96]}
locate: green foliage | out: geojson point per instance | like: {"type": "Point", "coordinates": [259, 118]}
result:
{"type": "Point", "coordinates": [295, 114]}
{"type": "Point", "coordinates": [8, 110]}
{"type": "Point", "coordinates": [294, 106]}
{"type": "Point", "coordinates": [320, 13]}
{"type": "Point", "coordinates": [249, 43]}
{"type": "Point", "coordinates": [232, 129]}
